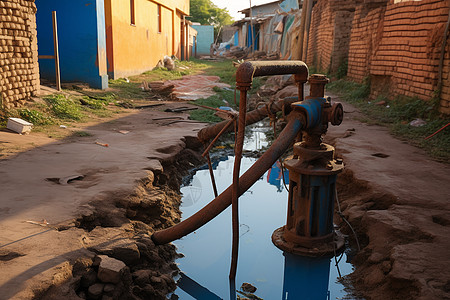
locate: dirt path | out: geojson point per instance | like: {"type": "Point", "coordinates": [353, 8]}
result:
{"type": "Point", "coordinates": [394, 195]}
{"type": "Point", "coordinates": [43, 218]}
{"type": "Point", "coordinates": [398, 200]}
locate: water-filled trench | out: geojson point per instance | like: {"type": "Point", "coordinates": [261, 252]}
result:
{"type": "Point", "coordinates": [262, 209]}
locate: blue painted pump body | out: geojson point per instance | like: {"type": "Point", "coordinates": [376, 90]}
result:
{"type": "Point", "coordinates": [311, 209]}
{"type": "Point", "coordinates": [312, 108]}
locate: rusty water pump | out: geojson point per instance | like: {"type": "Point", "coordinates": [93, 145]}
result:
{"type": "Point", "coordinates": [313, 168]}
{"type": "Point", "coordinates": [312, 181]}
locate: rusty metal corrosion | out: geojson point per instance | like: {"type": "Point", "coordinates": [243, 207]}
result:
{"type": "Point", "coordinates": [244, 78]}
{"type": "Point", "coordinates": [219, 204]}
{"type": "Point", "coordinates": [207, 133]}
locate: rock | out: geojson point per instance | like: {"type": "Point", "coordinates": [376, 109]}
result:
{"type": "Point", "coordinates": [109, 288]}
{"type": "Point", "coordinates": [169, 64]}
{"type": "Point", "coordinates": [110, 269]}
{"type": "Point", "coordinates": [374, 277]}
{"type": "Point", "coordinates": [376, 257]}
{"type": "Point", "coordinates": [88, 279]}
{"type": "Point", "coordinates": [82, 295]}
{"type": "Point", "coordinates": [128, 252]}
{"type": "Point", "coordinates": [142, 277]}
{"type": "Point", "coordinates": [248, 288]}
{"type": "Point", "coordinates": [386, 267]}
{"type": "Point", "coordinates": [95, 290]}
{"type": "Point", "coordinates": [156, 279]}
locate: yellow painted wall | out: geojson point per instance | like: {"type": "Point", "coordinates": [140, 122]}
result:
{"type": "Point", "coordinates": [133, 49]}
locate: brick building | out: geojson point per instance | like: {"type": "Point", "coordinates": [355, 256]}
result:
{"type": "Point", "coordinates": [19, 71]}
{"type": "Point", "coordinates": [397, 44]}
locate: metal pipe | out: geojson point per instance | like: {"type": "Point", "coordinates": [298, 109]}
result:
{"type": "Point", "coordinates": [207, 133]}
{"type": "Point", "coordinates": [219, 204]}
{"type": "Point", "coordinates": [239, 144]}
{"type": "Point", "coordinates": [244, 78]}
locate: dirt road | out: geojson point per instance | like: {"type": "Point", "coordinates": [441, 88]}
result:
{"type": "Point", "coordinates": [392, 193]}
{"type": "Point", "coordinates": [42, 215]}
{"type": "Point", "coordinates": [398, 200]}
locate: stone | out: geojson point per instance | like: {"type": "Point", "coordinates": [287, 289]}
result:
{"type": "Point", "coordinates": [109, 288]}
{"type": "Point", "coordinates": [142, 277]}
{"type": "Point", "coordinates": [88, 279]}
{"type": "Point", "coordinates": [248, 288]}
{"type": "Point", "coordinates": [95, 291]}
{"type": "Point", "coordinates": [110, 269]}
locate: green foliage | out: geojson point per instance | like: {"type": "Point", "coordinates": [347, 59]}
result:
{"type": "Point", "coordinates": [82, 134]}
{"type": "Point", "coordinates": [35, 117]}
{"type": "Point", "coordinates": [222, 98]}
{"type": "Point", "coordinates": [92, 103]}
{"type": "Point", "coordinates": [207, 13]}
{"type": "Point", "coordinates": [64, 107]}
{"type": "Point", "coordinates": [342, 69]}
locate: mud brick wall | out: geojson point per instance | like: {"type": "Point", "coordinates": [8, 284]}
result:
{"type": "Point", "coordinates": [320, 36]}
{"type": "Point", "coordinates": [409, 48]}
{"type": "Point", "coordinates": [341, 39]}
{"type": "Point", "coordinates": [19, 71]}
{"type": "Point", "coordinates": [366, 31]}
{"type": "Point", "coordinates": [329, 35]}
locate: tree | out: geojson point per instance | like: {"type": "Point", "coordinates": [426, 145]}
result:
{"type": "Point", "coordinates": [207, 13]}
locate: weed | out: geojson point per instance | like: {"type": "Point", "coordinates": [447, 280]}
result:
{"type": "Point", "coordinates": [92, 103]}
{"type": "Point", "coordinates": [64, 107]}
{"type": "Point", "coordinates": [342, 69]}
{"type": "Point", "coordinates": [34, 116]}
{"type": "Point", "coordinates": [82, 134]}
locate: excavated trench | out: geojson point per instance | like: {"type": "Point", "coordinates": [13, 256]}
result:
{"type": "Point", "coordinates": [124, 263]}
{"type": "Point", "coordinates": [122, 260]}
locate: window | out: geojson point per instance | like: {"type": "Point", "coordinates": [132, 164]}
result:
{"type": "Point", "coordinates": [159, 18]}
{"type": "Point", "coordinates": [133, 13]}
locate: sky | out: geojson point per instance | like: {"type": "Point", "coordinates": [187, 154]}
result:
{"type": "Point", "coordinates": [234, 6]}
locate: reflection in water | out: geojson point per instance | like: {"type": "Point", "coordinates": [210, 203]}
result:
{"type": "Point", "coordinates": [262, 210]}
{"type": "Point", "coordinates": [305, 277]}
{"type": "Point", "coordinates": [275, 176]}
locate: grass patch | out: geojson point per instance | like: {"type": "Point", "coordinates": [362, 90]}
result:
{"type": "Point", "coordinates": [222, 98]}
{"type": "Point", "coordinates": [397, 115]}
{"type": "Point", "coordinates": [64, 107]}
{"type": "Point", "coordinates": [82, 134]}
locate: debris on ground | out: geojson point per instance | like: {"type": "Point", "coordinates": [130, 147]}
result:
{"type": "Point", "coordinates": [248, 287]}
{"type": "Point", "coordinates": [102, 144]}
{"type": "Point", "coordinates": [180, 109]}
{"type": "Point", "coordinates": [190, 87]}
{"type": "Point", "coordinates": [169, 64]}
{"type": "Point", "coordinates": [417, 123]}
{"type": "Point", "coordinates": [18, 125]}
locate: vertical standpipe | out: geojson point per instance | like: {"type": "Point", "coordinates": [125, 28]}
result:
{"type": "Point", "coordinates": [313, 169]}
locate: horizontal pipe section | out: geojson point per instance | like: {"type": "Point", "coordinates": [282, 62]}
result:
{"type": "Point", "coordinates": [219, 204]}
{"type": "Point", "coordinates": [207, 133]}
{"type": "Point", "coordinates": [250, 69]}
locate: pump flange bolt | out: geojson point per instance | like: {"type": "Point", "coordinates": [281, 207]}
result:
{"type": "Point", "coordinates": [337, 114]}
{"type": "Point", "coordinates": [339, 161]}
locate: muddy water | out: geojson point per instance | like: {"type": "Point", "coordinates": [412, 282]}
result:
{"type": "Point", "coordinates": [262, 209]}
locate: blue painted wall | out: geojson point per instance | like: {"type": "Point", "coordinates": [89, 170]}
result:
{"type": "Point", "coordinates": [82, 40]}
{"type": "Point", "coordinates": [205, 37]}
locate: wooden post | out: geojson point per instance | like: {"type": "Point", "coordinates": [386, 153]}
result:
{"type": "Point", "coordinates": [307, 26]}
{"type": "Point", "coordinates": [299, 55]}
{"type": "Point", "coordinates": [56, 51]}
{"type": "Point", "coordinates": [195, 46]}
